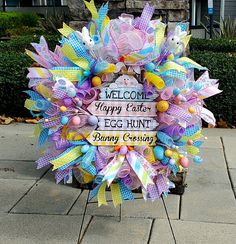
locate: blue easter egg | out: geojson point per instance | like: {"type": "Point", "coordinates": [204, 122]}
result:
{"type": "Point", "coordinates": [150, 67]}
{"type": "Point", "coordinates": [159, 152]}
{"type": "Point", "coordinates": [64, 120]}
{"type": "Point", "coordinates": [197, 159]}
{"type": "Point", "coordinates": [79, 104]}
{"type": "Point", "coordinates": [84, 148]}
{"type": "Point", "coordinates": [93, 120]}
{"type": "Point", "coordinates": [197, 86]}
{"type": "Point", "coordinates": [176, 91]}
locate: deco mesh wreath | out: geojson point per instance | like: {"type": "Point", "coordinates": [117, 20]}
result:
{"type": "Point", "coordinates": [119, 104]}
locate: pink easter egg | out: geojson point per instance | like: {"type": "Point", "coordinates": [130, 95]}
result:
{"type": "Point", "coordinates": [76, 99]}
{"type": "Point", "coordinates": [76, 120]}
{"type": "Point", "coordinates": [184, 162]}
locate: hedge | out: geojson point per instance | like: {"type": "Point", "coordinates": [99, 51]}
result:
{"type": "Point", "coordinates": [13, 69]}
{"type": "Point", "coordinates": [12, 82]}
{"type": "Point", "coordinates": [215, 45]}
{"type": "Point", "coordinates": [19, 44]}
{"type": "Point", "coordinates": [221, 66]}
{"type": "Point", "coordinates": [10, 20]}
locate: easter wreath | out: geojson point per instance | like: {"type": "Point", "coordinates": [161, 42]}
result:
{"type": "Point", "coordinates": [119, 104]}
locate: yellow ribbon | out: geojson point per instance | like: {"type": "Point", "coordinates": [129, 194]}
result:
{"type": "Point", "coordinates": [110, 69]}
{"type": "Point", "coordinates": [172, 66]}
{"type": "Point", "coordinates": [192, 150]}
{"type": "Point", "coordinates": [70, 74]}
{"type": "Point", "coordinates": [156, 80]}
{"type": "Point", "coordinates": [29, 105]}
{"type": "Point", "coordinates": [37, 130]}
{"type": "Point", "coordinates": [160, 34]}
{"type": "Point", "coordinates": [102, 195]}
{"type": "Point", "coordinates": [116, 194]}
{"type": "Point", "coordinates": [195, 136]}
{"type": "Point", "coordinates": [65, 30]}
{"type": "Point", "coordinates": [186, 40]}
{"type": "Point", "coordinates": [69, 52]}
{"type": "Point", "coordinates": [66, 158]}
{"type": "Point", "coordinates": [43, 90]}
{"type": "Point", "coordinates": [92, 8]}
{"type": "Point", "coordinates": [188, 60]}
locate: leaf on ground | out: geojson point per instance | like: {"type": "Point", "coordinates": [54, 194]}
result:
{"type": "Point", "coordinates": [5, 120]}
{"type": "Point", "coordinates": [31, 121]}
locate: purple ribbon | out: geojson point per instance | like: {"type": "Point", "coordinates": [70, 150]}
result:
{"type": "Point", "coordinates": [174, 130]}
{"type": "Point", "coordinates": [148, 89]}
{"type": "Point", "coordinates": [146, 16]}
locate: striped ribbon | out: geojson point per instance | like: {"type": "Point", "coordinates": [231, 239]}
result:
{"type": "Point", "coordinates": [112, 169]}
{"type": "Point", "coordinates": [140, 171]}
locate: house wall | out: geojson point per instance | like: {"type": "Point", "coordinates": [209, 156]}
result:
{"type": "Point", "coordinates": [43, 10]}
{"type": "Point", "coordinates": [171, 10]}
{"type": "Point", "coordinates": [230, 8]}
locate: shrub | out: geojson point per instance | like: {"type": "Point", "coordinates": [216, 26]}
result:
{"type": "Point", "coordinates": [19, 44]}
{"type": "Point", "coordinates": [11, 20]}
{"type": "Point", "coordinates": [221, 66]}
{"type": "Point", "coordinates": [12, 82]}
{"type": "Point", "coordinates": [215, 45]}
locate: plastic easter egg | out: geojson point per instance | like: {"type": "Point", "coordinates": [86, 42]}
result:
{"type": "Point", "coordinates": [168, 153]}
{"type": "Point", "coordinates": [64, 120]}
{"type": "Point", "coordinates": [190, 142]}
{"type": "Point", "coordinates": [176, 91]}
{"type": "Point", "coordinates": [197, 86]}
{"type": "Point", "coordinates": [123, 150]}
{"type": "Point", "coordinates": [67, 101]}
{"type": "Point", "coordinates": [184, 162]}
{"type": "Point", "coordinates": [178, 98]}
{"type": "Point", "coordinates": [93, 120]}
{"type": "Point", "coordinates": [76, 120]}
{"type": "Point", "coordinates": [84, 148]}
{"type": "Point", "coordinates": [76, 99]}
{"type": "Point", "coordinates": [158, 152]}
{"type": "Point", "coordinates": [197, 159]}
{"type": "Point", "coordinates": [149, 67]}
{"type": "Point", "coordinates": [71, 92]}
{"type": "Point", "coordinates": [63, 109]}
{"type": "Point", "coordinates": [162, 106]}
{"type": "Point", "coordinates": [172, 161]}
{"type": "Point", "coordinates": [79, 104]}
{"type": "Point", "coordinates": [191, 110]}
{"type": "Point", "coordinates": [96, 81]}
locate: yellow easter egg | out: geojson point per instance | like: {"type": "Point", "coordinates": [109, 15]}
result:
{"type": "Point", "coordinates": [63, 109]}
{"type": "Point", "coordinates": [191, 110]}
{"type": "Point", "coordinates": [96, 81]}
{"type": "Point", "coordinates": [168, 153]}
{"type": "Point", "coordinates": [162, 106]}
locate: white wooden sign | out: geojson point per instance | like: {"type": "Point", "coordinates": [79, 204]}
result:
{"type": "Point", "coordinates": [120, 108]}
{"type": "Point", "coordinates": [126, 94]}
{"type": "Point", "coordinates": [131, 138]}
{"type": "Point", "coordinates": [127, 123]}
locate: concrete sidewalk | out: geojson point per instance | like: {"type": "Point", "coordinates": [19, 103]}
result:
{"type": "Point", "coordinates": [33, 209]}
